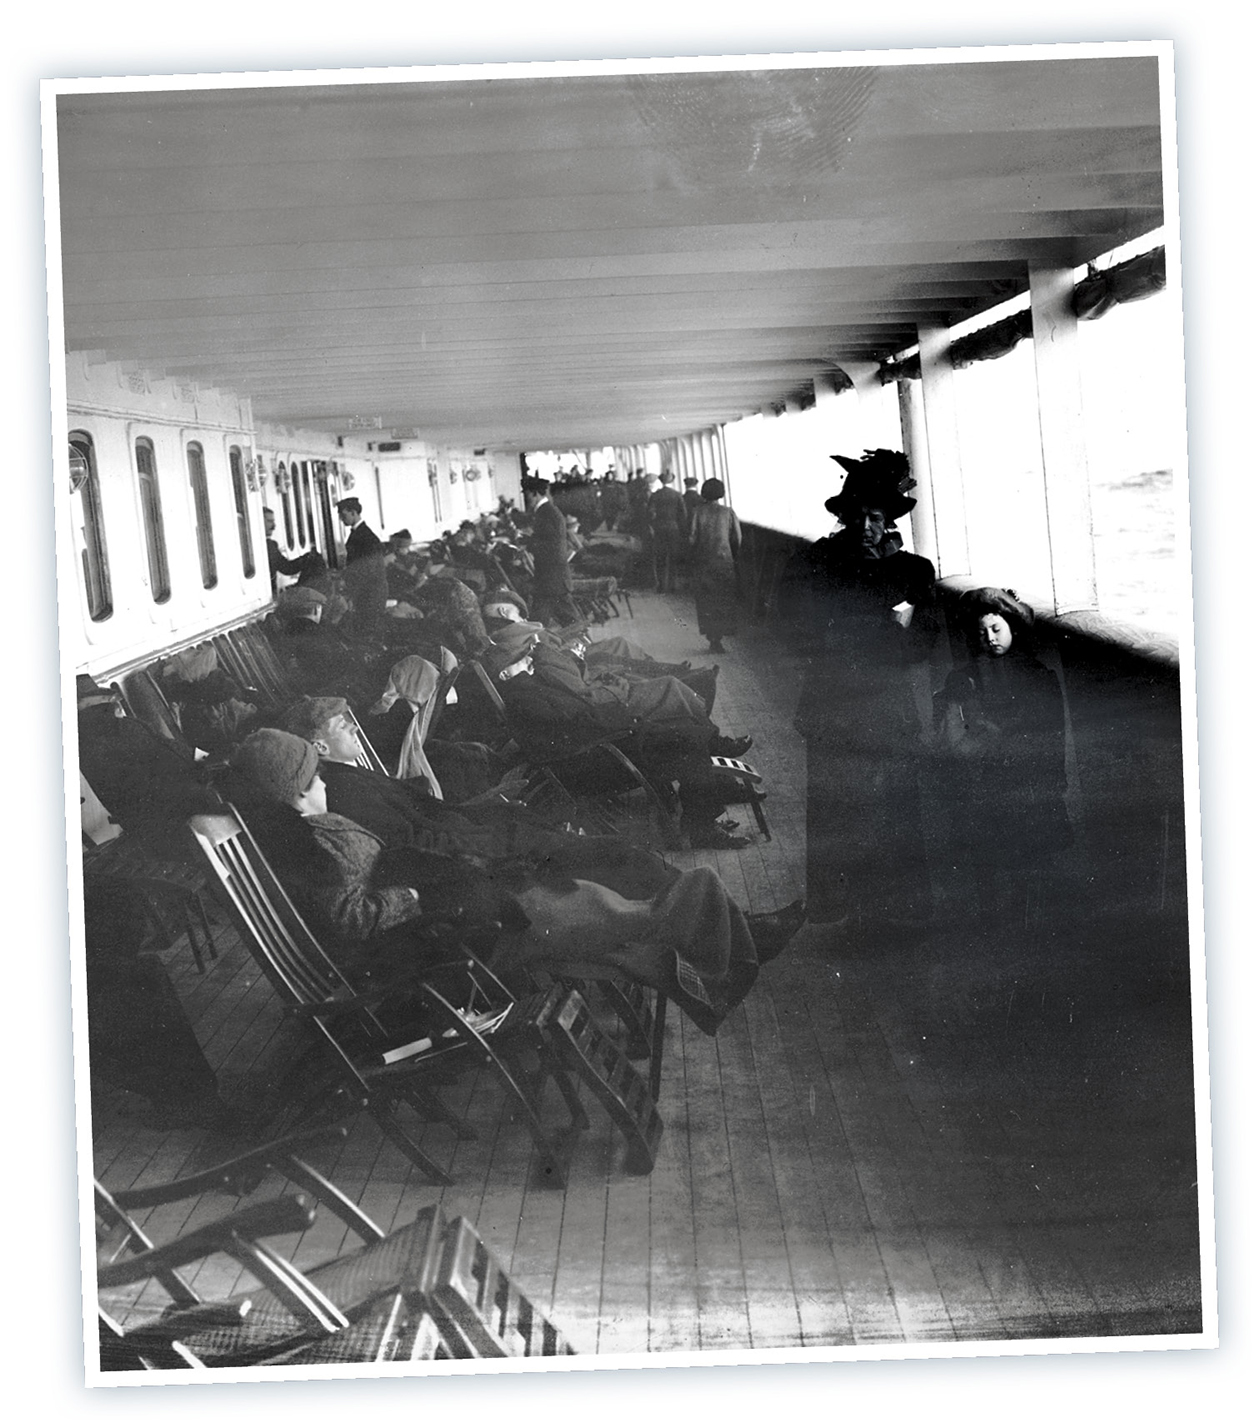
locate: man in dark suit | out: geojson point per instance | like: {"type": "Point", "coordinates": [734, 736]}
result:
{"type": "Point", "coordinates": [552, 578]}
{"type": "Point", "coordinates": [366, 577]}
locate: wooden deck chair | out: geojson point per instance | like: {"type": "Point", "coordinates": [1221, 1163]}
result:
{"type": "Point", "coordinates": [367, 758]}
{"type": "Point", "coordinates": [431, 1289]}
{"type": "Point", "coordinates": [749, 780]}
{"type": "Point", "coordinates": [354, 1309]}
{"type": "Point", "coordinates": [145, 700]}
{"type": "Point", "coordinates": [582, 769]}
{"type": "Point", "coordinates": [272, 678]}
{"type": "Point", "coordinates": [392, 1040]}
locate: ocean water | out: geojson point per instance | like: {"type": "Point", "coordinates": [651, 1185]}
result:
{"type": "Point", "coordinates": [1139, 578]}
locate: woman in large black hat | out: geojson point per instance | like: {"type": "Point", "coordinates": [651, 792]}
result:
{"type": "Point", "coordinates": [861, 606]}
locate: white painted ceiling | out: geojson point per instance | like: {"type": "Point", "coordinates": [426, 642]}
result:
{"type": "Point", "coordinates": [567, 262]}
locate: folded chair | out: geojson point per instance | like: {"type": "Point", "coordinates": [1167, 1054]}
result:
{"type": "Point", "coordinates": [392, 1040]}
{"type": "Point", "coordinates": [428, 1290]}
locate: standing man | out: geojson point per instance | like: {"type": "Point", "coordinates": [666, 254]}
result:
{"type": "Point", "coordinates": [552, 578]}
{"type": "Point", "coordinates": [666, 517]}
{"type": "Point", "coordinates": [277, 563]}
{"type": "Point", "coordinates": [366, 578]}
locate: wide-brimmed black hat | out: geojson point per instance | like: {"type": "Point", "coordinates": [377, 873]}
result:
{"type": "Point", "coordinates": [534, 485]}
{"type": "Point", "coordinates": [879, 480]}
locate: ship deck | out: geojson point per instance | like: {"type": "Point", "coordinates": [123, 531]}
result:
{"type": "Point", "coordinates": [988, 1136]}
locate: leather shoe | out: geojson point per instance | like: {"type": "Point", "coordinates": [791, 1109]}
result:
{"type": "Point", "coordinates": [727, 746]}
{"type": "Point", "coordinates": [771, 931]}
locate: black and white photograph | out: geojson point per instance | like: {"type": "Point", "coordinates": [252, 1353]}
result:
{"type": "Point", "coordinates": [626, 632]}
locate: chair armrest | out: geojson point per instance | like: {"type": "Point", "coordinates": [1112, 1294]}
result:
{"type": "Point", "coordinates": [236, 1176]}
{"type": "Point", "coordinates": [273, 1217]}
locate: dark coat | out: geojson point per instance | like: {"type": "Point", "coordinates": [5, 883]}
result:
{"type": "Point", "coordinates": [549, 547]}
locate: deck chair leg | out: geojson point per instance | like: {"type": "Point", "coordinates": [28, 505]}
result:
{"type": "Point", "coordinates": [657, 1044]}
{"type": "Point", "coordinates": [431, 1106]}
{"type": "Point", "coordinates": [618, 1087]}
{"type": "Point", "coordinates": [382, 1113]}
{"type": "Point", "coordinates": [555, 1150]}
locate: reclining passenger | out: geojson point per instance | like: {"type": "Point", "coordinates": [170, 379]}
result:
{"type": "Point", "coordinates": [689, 939]}
{"type": "Point", "coordinates": [399, 724]}
{"type": "Point", "coordinates": [403, 813]}
{"type": "Point", "coordinates": [507, 621]}
{"type": "Point", "coordinates": [554, 717]}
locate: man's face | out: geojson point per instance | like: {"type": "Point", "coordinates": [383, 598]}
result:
{"type": "Point", "coordinates": [268, 522]}
{"type": "Point", "coordinates": [873, 529]}
{"type": "Point", "coordinates": [347, 517]}
{"type": "Point", "coordinates": [338, 740]}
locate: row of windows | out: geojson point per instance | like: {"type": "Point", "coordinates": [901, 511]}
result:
{"type": "Point", "coordinates": [94, 554]}
{"type": "Point", "coordinates": [298, 507]}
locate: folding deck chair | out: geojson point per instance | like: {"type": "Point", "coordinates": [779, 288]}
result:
{"type": "Point", "coordinates": [584, 770]}
{"type": "Point", "coordinates": [431, 1289]}
{"type": "Point", "coordinates": [394, 1038]}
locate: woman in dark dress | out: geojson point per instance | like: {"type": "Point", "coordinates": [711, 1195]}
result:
{"type": "Point", "coordinates": [1002, 728]}
{"type": "Point", "coordinates": [862, 612]}
{"type": "Point", "coordinates": [715, 541]}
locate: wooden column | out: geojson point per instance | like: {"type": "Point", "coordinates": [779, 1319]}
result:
{"type": "Point", "coordinates": [943, 466]}
{"type": "Point", "coordinates": [914, 444]}
{"type": "Point", "coordinates": [1068, 507]}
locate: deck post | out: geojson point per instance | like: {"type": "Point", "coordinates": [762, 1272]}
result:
{"type": "Point", "coordinates": [1064, 459]}
{"type": "Point", "coordinates": [914, 443]}
{"type": "Point", "coordinates": [942, 468]}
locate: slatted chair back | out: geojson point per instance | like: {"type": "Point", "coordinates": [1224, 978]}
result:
{"type": "Point", "coordinates": [273, 929]}
{"type": "Point", "coordinates": [385, 1063]}
{"type": "Point", "coordinates": [367, 758]}
{"type": "Point", "coordinates": [272, 678]}
{"type": "Point", "coordinates": [449, 673]}
{"type": "Point", "coordinates": [145, 700]}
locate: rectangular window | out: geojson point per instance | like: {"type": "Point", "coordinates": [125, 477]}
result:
{"type": "Point", "coordinates": [85, 483]}
{"type": "Point", "coordinates": [239, 491]}
{"type": "Point", "coordinates": [201, 507]}
{"type": "Point", "coordinates": [154, 531]}
{"type": "Point", "coordinates": [304, 507]}
{"type": "Point", "coordinates": [295, 486]}
{"type": "Point", "coordinates": [286, 506]}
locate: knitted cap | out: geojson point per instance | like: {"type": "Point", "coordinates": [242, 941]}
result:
{"type": "Point", "coordinates": [281, 765]}
{"type": "Point", "coordinates": [310, 715]}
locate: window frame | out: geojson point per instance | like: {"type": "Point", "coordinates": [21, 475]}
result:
{"type": "Point", "coordinates": [94, 553]}
{"type": "Point", "coordinates": [150, 490]}
{"type": "Point", "coordinates": [240, 496]}
{"type": "Point", "coordinates": [198, 481]}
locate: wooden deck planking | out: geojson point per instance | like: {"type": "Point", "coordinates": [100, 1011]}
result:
{"type": "Point", "coordinates": [826, 1176]}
